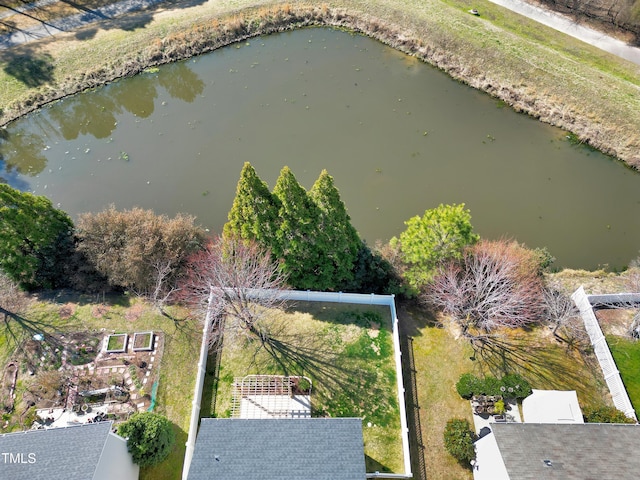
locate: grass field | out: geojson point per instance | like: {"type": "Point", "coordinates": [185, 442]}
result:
{"type": "Point", "coordinates": [626, 353]}
{"type": "Point", "coordinates": [123, 314]}
{"type": "Point", "coordinates": [440, 358]}
{"type": "Point", "coordinates": [347, 352]}
{"type": "Point", "coordinates": [531, 67]}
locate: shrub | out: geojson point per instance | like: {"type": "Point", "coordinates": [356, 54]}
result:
{"type": "Point", "coordinates": [468, 385]}
{"type": "Point", "coordinates": [516, 386]}
{"type": "Point", "coordinates": [605, 414]}
{"type": "Point", "coordinates": [492, 386]}
{"type": "Point", "coordinates": [150, 437]}
{"type": "Point", "coordinates": [511, 385]}
{"type": "Point", "coordinates": [458, 440]}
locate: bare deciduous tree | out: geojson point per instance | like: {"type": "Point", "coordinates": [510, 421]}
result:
{"type": "Point", "coordinates": [233, 284]}
{"type": "Point", "coordinates": [13, 301]}
{"type": "Point", "coordinates": [495, 284]}
{"type": "Point", "coordinates": [562, 314]}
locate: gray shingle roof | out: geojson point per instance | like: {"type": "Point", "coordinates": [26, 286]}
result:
{"type": "Point", "coordinates": [586, 451]}
{"type": "Point", "coordinates": [279, 449]}
{"type": "Point", "coordinates": [70, 453]}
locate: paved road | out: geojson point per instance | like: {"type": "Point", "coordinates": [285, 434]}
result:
{"type": "Point", "coordinates": [26, 8]}
{"type": "Point", "coordinates": [566, 25]}
{"type": "Point", "coordinates": [73, 22]}
{"type": "Point", "coordinates": [546, 17]}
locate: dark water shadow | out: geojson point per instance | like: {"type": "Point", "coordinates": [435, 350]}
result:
{"type": "Point", "coordinates": [21, 152]}
{"type": "Point", "coordinates": [181, 82]}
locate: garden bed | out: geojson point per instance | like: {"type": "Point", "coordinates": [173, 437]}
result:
{"type": "Point", "coordinates": [117, 343]}
{"type": "Point", "coordinates": [143, 341]}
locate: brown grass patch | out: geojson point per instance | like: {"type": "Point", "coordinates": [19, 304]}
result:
{"type": "Point", "coordinates": [67, 310]}
{"type": "Point", "coordinates": [99, 311]}
{"type": "Point", "coordinates": [135, 312]}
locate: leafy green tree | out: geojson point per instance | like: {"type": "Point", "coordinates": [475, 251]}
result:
{"type": "Point", "coordinates": [254, 214]}
{"type": "Point", "coordinates": [150, 437]}
{"type": "Point", "coordinates": [441, 234]}
{"type": "Point", "coordinates": [296, 238]}
{"type": "Point", "coordinates": [458, 440]}
{"type": "Point", "coordinates": [35, 239]}
{"type": "Point", "coordinates": [335, 237]}
{"type": "Point", "coordinates": [138, 249]}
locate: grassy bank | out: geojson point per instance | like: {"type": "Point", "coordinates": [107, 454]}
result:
{"type": "Point", "coordinates": [67, 314]}
{"type": "Point", "coordinates": [535, 69]}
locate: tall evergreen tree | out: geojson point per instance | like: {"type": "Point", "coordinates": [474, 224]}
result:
{"type": "Point", "coordinates": [296, 240]}
{"type": "Point", "coordinates": [336, 238]}
{"type": "Point", "coordinates": [36, 239]}
{"type": "Point", "coordinates": [255, 210]}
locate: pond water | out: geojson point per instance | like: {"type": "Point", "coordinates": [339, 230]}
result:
{"type": "Point", "coordinates": [397, 135]}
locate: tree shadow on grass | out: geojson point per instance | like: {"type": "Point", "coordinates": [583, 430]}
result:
{"type": "Point", "coordinates": [31, 68]}
{"type": "Point", "coordinates": [544, 364]}
{"type": "Point", "coordinates": [348, 385]}
{"type": "Point", "coordinates": [15, 328]}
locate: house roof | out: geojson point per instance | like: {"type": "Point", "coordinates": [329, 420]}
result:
{"type": "Point", "coordinates": [552, 406]}
{"type": "Point", "coordinates": [70, 453]}
{"type": "Point", "coordinates": [279, 449]}
{"type": "Point", "coordinates": [584, 451]}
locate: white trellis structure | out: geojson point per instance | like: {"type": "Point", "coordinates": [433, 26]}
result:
{"type": "Point", "coordinates": [270, 396]}
{"type": "Point", "coordinates": [603, 354]}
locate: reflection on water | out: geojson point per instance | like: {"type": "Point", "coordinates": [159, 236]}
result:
{"type": "Point", "coordinates": [23, 148]}
{"type": "Point", "coordinates": [398, 136]}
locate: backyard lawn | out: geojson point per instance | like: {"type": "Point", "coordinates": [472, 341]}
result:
{"type": "Point", "coordinates": [441, 357]}
{"type": "Point", "coordinates": [70, 314]}
{"type": "Point", "coordinates": [626, 353]}
{"type": "Point", "coordinates": [347, 352]}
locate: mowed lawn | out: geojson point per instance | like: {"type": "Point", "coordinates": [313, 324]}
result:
{"type": "Point", "coordinates": [346, 351]}
{"type": "Point", "coordinates": [441, 356]}
{"type": "Point", "coordinates": [123, 314]}
{"type": "Point", "coordinates": [626, 353]}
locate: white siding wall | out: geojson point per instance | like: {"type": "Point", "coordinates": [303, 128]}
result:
{"type": "Point", "coordinates": [115, 462]}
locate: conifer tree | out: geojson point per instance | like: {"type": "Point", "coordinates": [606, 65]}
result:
{"type": "Point", "coordinates": [296, 241]}
{"type": "Point", "coordinates": [254, 214]}
{"type": "Point", "coordinates": [336, 238]}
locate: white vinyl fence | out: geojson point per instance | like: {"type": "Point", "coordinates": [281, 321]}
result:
{"type": "Point", "coordinates": [603, 354]}
{"type": "Point", "coordinates": [309, 296]}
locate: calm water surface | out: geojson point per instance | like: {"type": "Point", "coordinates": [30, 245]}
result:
{"type": "Point", "coordinates": [397, 135]}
